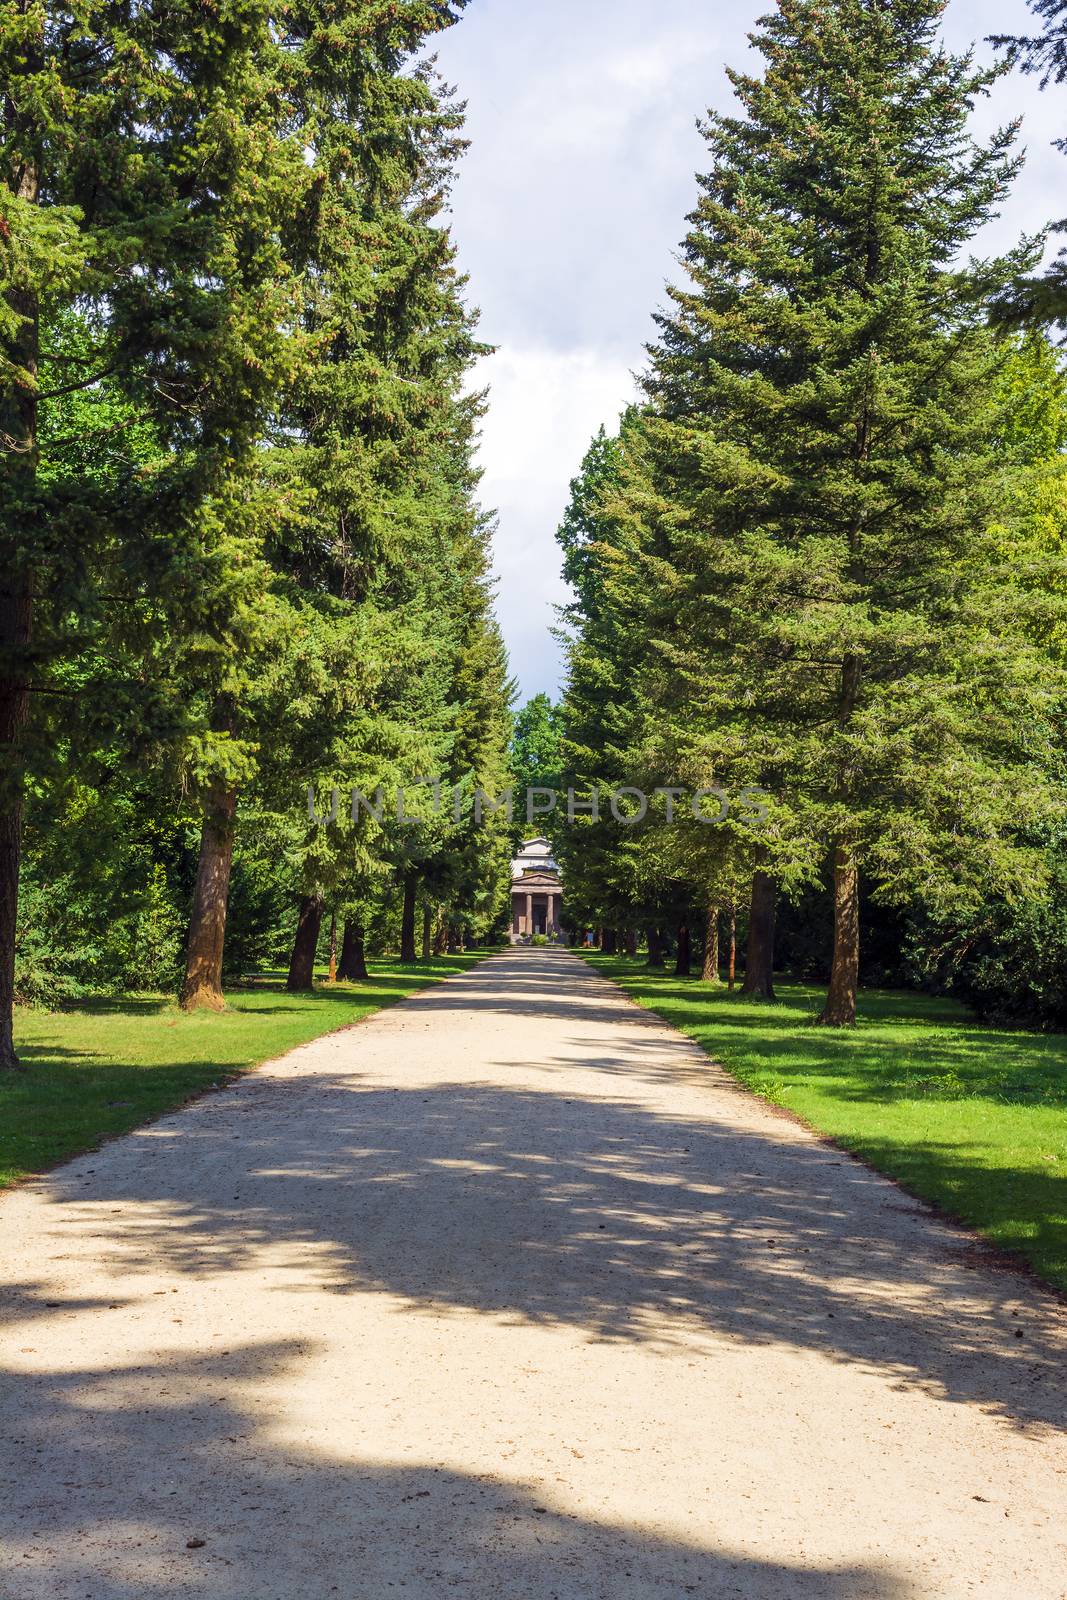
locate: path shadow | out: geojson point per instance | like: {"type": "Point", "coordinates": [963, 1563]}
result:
{"type": "Point", "coordinates": [530, 983]}
{"type": "Point", "coordinates": [133, 1462]}
{"type": "Point", "coordinates": [593, 1213]}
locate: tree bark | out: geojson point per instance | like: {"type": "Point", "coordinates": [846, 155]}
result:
{"type": "Point", "coordinates": [732, 967]}
{"type": "Point", "coordinates": [631, 941]}
{"type": "Point", "coordinates": [710, 970]}
{"type": "Point", "coordinates": [611, 941]}
{"type": "Point", "coordinates": [407, 920]}
{"type": "Point", "coordinates": [655, 947]}
{"type": "Point", "coordinates": [353, 964]}
{"type": "Point", "coordinates": [302, 965]}
{"type": "Point", "coordinates": [683, 964]}
{"type": "Point", "coordinates": [427, 932]}
{"type": "Point", "coordinates": [15, 634]}
{"type": "Point", "coordinates": [333, 946]}
{"type": "Point", "coordinates": [759, 955]}
{"type": "Point", "coordinates": [440, 939]}
{"type": "Point", "coordinates": [18, 422]}
{"type": "Point", "coordinates": [202, 986]}
{"type": "Point", "coordinates": [455, 939]}
{"type": "Point", "coordinates": [840, 1008]}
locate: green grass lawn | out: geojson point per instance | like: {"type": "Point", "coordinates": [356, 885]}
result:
{"type": "Point", "coordinates": [973, 1118]}
{"type": "Point", "coordinates": [102, 1067]}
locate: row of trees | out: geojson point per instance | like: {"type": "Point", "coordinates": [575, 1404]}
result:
{"type": "Point", "coordinates": [240, 551]}
{"type": "Point", "coordinates": [825, 555]}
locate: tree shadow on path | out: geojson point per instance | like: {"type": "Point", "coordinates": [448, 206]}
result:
{"type": "Point", "coordinates": [139, 1460]}
{"type": "Point", "coordinates": [586, 1212]}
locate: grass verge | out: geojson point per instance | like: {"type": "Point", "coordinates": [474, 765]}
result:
{"type": "Point", "coordinates": [970, 1117]}
{"type": "Point", "coordinates": [103, 1067]}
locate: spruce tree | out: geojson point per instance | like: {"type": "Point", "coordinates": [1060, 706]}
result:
{"type": "Point", "coordinates": [596, 714]}
{"type": "Point", "coordinates": [381, 339]}
{"type": "Point", "coordinates": [822, 461]}
{"type": "Point", "coordinates": [140, 165]}
{"type": "Point", "coordinates": [1045, 52]}
{"type": "Point", "coordinates": [1037, 301]}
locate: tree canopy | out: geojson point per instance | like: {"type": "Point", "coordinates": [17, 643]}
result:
{"type": "Point", "coordinates": [242, 552]}
{"type": "Point", "coordinates": [790, 566]}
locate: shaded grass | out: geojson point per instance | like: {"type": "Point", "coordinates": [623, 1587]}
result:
{"type": "Point", "coordinates": [968, 1116]}
{"type": "Point", "coordinates": [103, 1067]}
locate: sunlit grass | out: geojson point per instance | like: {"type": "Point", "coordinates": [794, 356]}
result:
{"type": "Point", "coordinates": [970, 1117]}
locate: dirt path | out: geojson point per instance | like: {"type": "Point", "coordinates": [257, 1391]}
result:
{"type": "Point", "coordinates": [508, 1293]}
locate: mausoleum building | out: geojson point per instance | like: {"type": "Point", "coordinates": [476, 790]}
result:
{"type": "Point", "coordinates": [536, 893]}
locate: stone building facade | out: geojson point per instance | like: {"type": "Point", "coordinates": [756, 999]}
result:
{"type": "Point", "coordinates": [536, 893]}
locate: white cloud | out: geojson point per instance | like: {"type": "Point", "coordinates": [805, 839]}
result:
{"type": "Point", "coordinates": [545, 406]}
{"type": "Point", "coordinates": [568, 213]}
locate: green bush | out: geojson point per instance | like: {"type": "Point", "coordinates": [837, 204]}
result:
{"type": "Point", "coordinates": [42, 972]}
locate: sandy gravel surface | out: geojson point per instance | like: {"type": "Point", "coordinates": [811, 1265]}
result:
{"type": "Point", "coordinates": [507, 1292]}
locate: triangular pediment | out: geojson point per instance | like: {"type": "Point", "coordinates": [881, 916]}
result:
{"type": "Point", "coordinates": [535, 880]}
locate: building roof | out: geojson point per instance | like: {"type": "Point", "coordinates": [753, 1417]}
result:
{"type": "Point", "coordinates": [536, 882]}
{"type": "Point", "coordinates": [535, 856]}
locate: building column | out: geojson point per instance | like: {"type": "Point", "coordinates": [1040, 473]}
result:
{"type": "Point", "coordinates": [529, 916]}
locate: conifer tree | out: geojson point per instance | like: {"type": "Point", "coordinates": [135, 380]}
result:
{"type": "Point", "coordinates": [600, 713]}
{"type": "Point", "coordinates": [821, 463]}
{"type": "Point", "coordinates": [140, 167]}
{"type": "Point", "coordinates": [383, 341]}
{"type": "Point", "coordinates": [1037, 301]}
{"type": "Point", "coordinates": [1045, 52]}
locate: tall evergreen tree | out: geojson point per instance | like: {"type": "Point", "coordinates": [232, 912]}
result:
{"type": "Point", "coordinates": [604, 865]}
{"type": "Point", "coordinates": [1038, 301]}
{"type": "Point", "coordinates": [809, 543]}
{"type": "Point", "coordinates": [141, 165]}
{"type": "Point", "coordinates": [383, 340]}
{"type": "Point", "coordinates": [1045, 52]}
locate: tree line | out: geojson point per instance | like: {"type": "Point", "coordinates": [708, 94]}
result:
{"type": "Point", "coordinates": [240, 547]}
{"type": "Point", "coordinates": [824, 554]}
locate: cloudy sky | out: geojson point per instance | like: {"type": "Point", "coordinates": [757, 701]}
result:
{"type": "Point", "coordinates": [568, 212]}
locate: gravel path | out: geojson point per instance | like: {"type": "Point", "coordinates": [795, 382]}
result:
{"type": "Point", "coordinates": [508, 1293]}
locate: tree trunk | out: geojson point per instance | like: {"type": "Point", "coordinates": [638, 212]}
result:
{"type": "Point", "coordinates": [683, 964]}
{"type": "Point", "coordinates": [710, 970]}
{"type": "Point", "coordinates": [440, 939]}
{"type": "Point", "coordinates": [733, 948]}
{"type": "Point", "coordinates": [353, 965]}
{"type": "Point", "coordinates": [302, 965]}
{"type": "Point", "coordinates": [455, 942]}
{"type": "Point", "coordinates": [407, 920]}
{"type": "Point", "coordinates": [759, 955]}
{"type": "Point", "coordinates": [611, 941]}
{"type": "Point", "coordinates": [427, 932]}
{"type": "Point", "coordinates": [15, 632]}
{"type": "Point", "coordinates": [207, 924]}
{"type": "Point", "coordinates": [631, 941]}
{"type": "Point", "coordinates": [840, 1008]}
{"type": "Point", "coordinates": [18, 421]}
{"type": "Point", "coordinates": [333, 946]}
{"type": "Point", "coordinates": [655, 947]}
